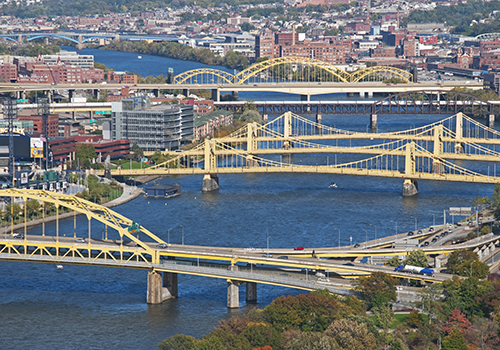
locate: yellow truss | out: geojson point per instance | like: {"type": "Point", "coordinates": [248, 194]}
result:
{"type": "Point", "coordinates": [244, 75]}
{"type": "Point", "coordinates": [253, 70]}
{"type": "Point", "coordinates": [361, 73]}
{"type": "Point", "coordinates": [181, 78]}
{"type": "Point", "coordinates": [92, 210]}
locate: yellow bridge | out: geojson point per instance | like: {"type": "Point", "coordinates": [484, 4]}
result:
{"type": "Point", "coordinates": [425, 153]}
{"type": "Point", "coordinates": [126, 244]}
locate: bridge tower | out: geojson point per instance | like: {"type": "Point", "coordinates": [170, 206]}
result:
{"type": "Point", "coordinates": [410, 186]}
{"type": "Point", "coordinates": [251, 144]}
{"type": "Point", "coordinates": [287, 129]}
{"type": "Point", "coordinates": [437, 165]}
{"type": "Point", "coordinates": [459, 146]}
{"type": "Point", "coordinates": [210, 180]}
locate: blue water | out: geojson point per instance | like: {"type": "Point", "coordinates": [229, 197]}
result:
{"type": "Point", "coordinates": [95, 308]}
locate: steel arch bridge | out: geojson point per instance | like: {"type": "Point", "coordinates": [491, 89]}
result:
{"type": "Point", "coordinates": [487, 36]}
{"type": "Point", "coordinates": [73, 37]}
{"type": "Point", "coordinates": [291, 70]}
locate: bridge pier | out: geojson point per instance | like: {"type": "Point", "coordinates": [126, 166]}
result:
{"type": "Point", "coordinates": [236, 95]}
{"type": "Point", "coordinates": [491, 121]}
{"type": "Point", "coordinates": [373, 121]}
{"type": "Point", "coordinates": [156, 93]}
{"type": "Point", "coordinates": [20, 39]}
{"type": "Point", "coordinates": [459, 147]}
{"type": "Point", "coordinates": [80, 46]}
{"type": "Point", "coordinates": [96, 93]}
{"type": "Point", "coordinates": [251, 291]}
{"type": "Point", "coordinates": [318, 118]}
{"type": "Point", "coordinates": [362, 94]}
{"type": "Point", "coordinates": [410, 188]}
{"type": "Point", "coordinates": [305, 98]}
{"type": "Point", "coordinates": [370, 94]}
{"type": "Point", "coordinates": [210, 183]}
{"type": "Point", "coordinates": [437, 167]}
{"type": "Point", "coordinates": [157, 293]}
{"type": "Point", "coordinates": [233, 296]}
{"type": "Point", "coordinates": [216, 95]}
{"type": "Point", "coordinates": [185, 92]}
{"type": "Point", "coordinates": [71, 94]}
{"type": "Point", "coordinates": [265, 117]}
{"type": "Point", "coordinates": [46, 41]}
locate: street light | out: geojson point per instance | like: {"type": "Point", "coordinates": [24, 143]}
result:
{"type": "Point", "coordinates": [182, 234]}
{"type": "Point", "coordinates": [415, 223]}
{"type": "Point", "coordinates": [396, 226]}
{"type": "Point", "coordinates": [339, 235]}
{"type": "Point", "coordinates": [168, 236]}
{"type": "Point", "coordinates": [366, 236]}
{"type": "Point", "coordinates": [433, 219]}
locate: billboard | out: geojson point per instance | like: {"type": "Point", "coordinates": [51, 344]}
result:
{"type": "Point", "coordinates": [36, 147]}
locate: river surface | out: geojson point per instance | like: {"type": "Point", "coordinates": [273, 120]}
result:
{"type": "Point", "coordinates": [82, 307]}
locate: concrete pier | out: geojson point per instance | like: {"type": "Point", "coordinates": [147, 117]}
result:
{"type": "Point", "coordinates": [210, 183]}
{"type": "Point", "coordinates": [233, 296]}
{"type": "Point", "coordinates": [305, 98]}
{"type": "Point", "coordinates": [318, 118]}
{"type": "Point", "coordinates": [216, 95]}
{"type": "Point", "coordinates": [265, 117]}
{"type": "Point", "coordinates": [373, 121]}
{"type": "Point", "coordinates": [251, 295]}
{"type": "Point", "coordinates": [491, 121]}
{"type": "Point", "coordinates": [157, 293]}
{"type": "Point", "coordinates": [410, 188]}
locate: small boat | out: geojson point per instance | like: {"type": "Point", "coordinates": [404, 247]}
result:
{"type": "Point", "coordinates": [139, 57]}
{"type": "Point", "coordinates": [59, 267]}
{"type": "Point", "coordinates": [333, 185]}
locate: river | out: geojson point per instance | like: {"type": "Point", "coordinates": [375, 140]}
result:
{"type": "Point", "coordinates": [95, 308]}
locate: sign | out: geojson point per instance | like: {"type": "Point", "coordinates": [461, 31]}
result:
{"type": "Point", "coordinates": [14, 130]}
{"type": "Point", "coordinates": [36, 147]}
{"type": "Point", "coordinates": [58, 185]}
{"type": "Point", "coordinates": [24, 178]}
{"type": "Point", "coordinates": [134, 227]}
{"type": "Point", "coordinates": [102, 112]}
{"type": "Point", "coordinates": [465, 211]}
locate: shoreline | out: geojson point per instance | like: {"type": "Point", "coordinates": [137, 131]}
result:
{"type": "Point", "coordinates": [129, 193]}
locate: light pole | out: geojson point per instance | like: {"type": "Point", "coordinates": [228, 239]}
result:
{"type": "Point", "coordinates": [182, 234]}
{"type": "Point", "coordinates": [396, 226]}
{"type": "Point", "coordinates": [267, 234]}
{"type": "Point", "coordinates": [366, 236]}
{"type": "Point", "coordinates": [339, 235]}
{"type": "Point", "coordinates": [168, 236]}
{"type": "Point", "coordinates": [433, 219]}
{"type": "Point", "coordinates": [415, 224]}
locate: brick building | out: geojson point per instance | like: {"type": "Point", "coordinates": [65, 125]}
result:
{"type": "Point", "coordinates": [52, 124]}
{"type": "Point", "coordinates": [64, 149]}
{"type": "Point", "coordinates": [207, 125]}
{"type": "Point", "coordinates": [122, 78]}
{"type": "Point", "coordinates": [8, 72]}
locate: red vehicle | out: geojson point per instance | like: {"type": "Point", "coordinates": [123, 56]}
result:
{"type": "Point", "coordinates": [298, 248]}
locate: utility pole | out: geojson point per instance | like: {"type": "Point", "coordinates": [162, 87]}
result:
{"type": "Point", "coordinates": [43, 108]}
{"type": "Point", "coordinates": [10, 112]}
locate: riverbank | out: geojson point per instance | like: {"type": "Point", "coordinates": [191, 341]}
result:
{"type": "Point", "coordinates": [129, 193]}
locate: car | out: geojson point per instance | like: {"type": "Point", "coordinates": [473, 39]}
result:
{"type": "Point", "coordinates": [419, 231]}
{"type": "Point", "coordinates": [249, 249]}
{"type": "Point", "coordinates": [283, 257]}
{"type": "Point", "coordinates": [434, 240]}
{"type": "Point", "coordinates": [267, 255]}
{"type": "Point", "coordinates": [162, 245]}
{"type": "Point", "coordinates": [449, 230]}
{"type": "Point", "coordinates": [410, 233]}
{"type": "Point", "coordinates": [323, 279]}
{"type": "Point", "coordinates": [348, 264]}
{"type": "Point", "coordinates": [425, 244]}
{"type": "Point", "coordinates": [18, 235]}
{"type": "Point", "coordinates": [356, 245]}
{"type": "Point", "coordinates": [431, 229]}
{"type": "Point", "coordinates": [443, 234]}
{"type": "Point", "coordinates": [80, 240]}
{"type": "Point", "coordinates": [298, 248]}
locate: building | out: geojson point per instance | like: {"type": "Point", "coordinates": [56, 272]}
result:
{"type": "Point", "coordinates": [64, 149]}
{"type": "Point", "coordinates": [71, 58]}
{"type": "Point", "coordinates": [264, 44]}
{"type": "Point", "coordinates": [122, 78]}
{"type": "Point", "coordinates": [156, 127]}
{"type": "Point", "coordinates": [206, 125]}
{"type": "Point", "coordinates": [52, 124]}
{"type": "Point", "coordinates": [25, 125]}
{"type": "Point", "coordinates": [8, 72]}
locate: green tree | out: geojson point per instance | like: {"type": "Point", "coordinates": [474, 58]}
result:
{"type": "Point", "coordinates": [430, 300]}
{"type": "Point", "coordinates": [417, 258]}
{"type": "Point", "coordinates": [394, 261]}
{"type": "Point", "coordinates": [466, 263]}
{"type": "Point", "coordinates": [178, 342]}
{"type": "Point", "coordinates": [12, 210]}
{"type": "Point", "coordinates": [454, 341]}
{"type": "Point", "coordinates": [485, 201]}
{"type": "Point", "coordinates": [138, 152]}
{"type": "Point", "coordinates": [251, 116]}
{"type": "Point", "coordinates": [414, 319]}
{"type": "Point", "coordinates": [32, 206]}
{"type": "Point", "coordinates": [377, 289]}
{"type": "Point", "coordinates": [384, 316]}
{"type": "Point", "coordinates": [398, 344]}
{"type": "Point", "coordinates": [261, 334]}
{"type": "Point", "coordinates": [85, 153]}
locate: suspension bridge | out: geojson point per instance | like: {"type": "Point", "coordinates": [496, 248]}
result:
{"type": "Point", "coordinates": [424, 153]}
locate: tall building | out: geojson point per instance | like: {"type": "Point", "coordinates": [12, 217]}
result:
{"type": "Point", "coordinates": [153, 128]}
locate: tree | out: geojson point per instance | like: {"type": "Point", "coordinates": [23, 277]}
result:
{"type": "Point", "coordinates": [484, 201]}
{"type": "Point", "coordinates": [262, 334]}
{"type": "Point", "coordinates": [414, 319]}
{"type": "Point", "coordinates": [457, 320]}
{"type": "Point", "coordinates": [398, 344]}
{"type": "Point", "coordinates": [312, 341]}
{"type": "Point", "coordinates": [138, 152]}
{"type": "Point", "coordinates": [384, 316]}
{"type": "Point", "coordinates": [394, 261]}
{"type": "Point", "coordinates": [178, 342]}
{"type": "Point", "coordinates": [12, 210]}
{"type": "Point", "coordinates": [417, 258]}
{"type": "Point", "coordinates": [496, 195]}
{"type": "Point", "coordinates": [377, 289]}
{"type": "Point", "coordinates": [85, 153]}
{"type": "Point", "coordinates": [454, 341]}
{"type": "Point", "coordinates": [351, 335]}
{"type": "Point", "coordinates": [430, 299]}
{"type": "Point", "coordinates": [466, 263]}
{"type": "Point", "coordinates": [251, 116]}
{"type": "Point", "coordinates": [32, 206]}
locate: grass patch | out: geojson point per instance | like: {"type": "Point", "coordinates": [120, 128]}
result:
{"type": "Point", "coordinates": [398, 319]}
{"type": "Point", "coordinates": [126, 165]}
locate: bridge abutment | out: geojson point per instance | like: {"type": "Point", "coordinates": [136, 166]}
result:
{"type": "Point", "coordinates": [156, 293]}
{"type": "Point", "coordinates": [210, 183]}
{"type": "Point", "coordinates": [410, 188]}
{"type": "Point", "coordinates": [373, 121]}
{"type": "Point", "coordinates": [318, 118]}
{"type": "Point", "coordinates": [491, 121]}
{"type": "Point", "coordinates": [251, 292]}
